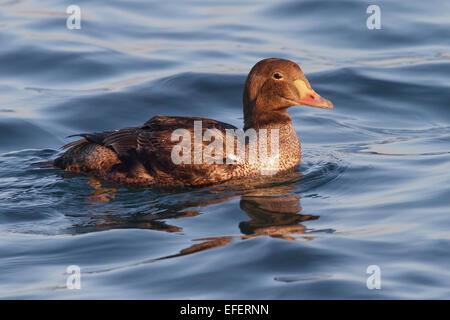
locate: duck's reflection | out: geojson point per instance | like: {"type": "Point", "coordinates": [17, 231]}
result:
{"type": "Point", "coordinates": [274, 210]}
{"type": "Point", "coordinates": [275, 216]}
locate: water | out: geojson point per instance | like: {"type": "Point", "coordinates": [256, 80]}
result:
{"type": "Point", "coordinates": [373, 187]}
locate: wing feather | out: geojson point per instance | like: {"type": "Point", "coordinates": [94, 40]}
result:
{"type": "Point", "coordinates": [155, 145]}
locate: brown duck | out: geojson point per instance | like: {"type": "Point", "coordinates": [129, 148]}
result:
{"type": "Point", "coordinates": [144, 155]}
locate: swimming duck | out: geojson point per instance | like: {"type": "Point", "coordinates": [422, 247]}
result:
{"type": "Point", "coordinates": [145, 154]}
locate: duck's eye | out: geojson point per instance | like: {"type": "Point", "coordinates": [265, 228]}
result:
{"type": "Point", "coordinates": [277, 76]}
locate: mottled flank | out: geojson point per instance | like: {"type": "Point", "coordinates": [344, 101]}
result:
{"type": "Point", "coordinates": [88, 157]}
{"type": "Point", "coordinates": [142, 155]}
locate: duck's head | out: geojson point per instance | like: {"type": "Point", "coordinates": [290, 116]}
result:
{"type": "Point", "coordinates": [272, 86]}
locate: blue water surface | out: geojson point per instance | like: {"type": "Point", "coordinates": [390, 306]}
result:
{"type": "Point", "coordinates": [373, 187]}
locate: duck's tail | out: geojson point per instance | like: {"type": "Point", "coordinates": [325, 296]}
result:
{"type": "Point", "coordinates": [73, 143]}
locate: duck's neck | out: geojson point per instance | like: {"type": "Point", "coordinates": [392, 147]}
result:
{"type": "Point", "coordinates": [267, 120]}
{"type": "Point", "coordinates": [288, 141]}
{"type": "Point", "coordinates": [284, 155]}
{"type": "Point", "coordinates": [262, 112]}
{"type": "Point", "coordinates": [262, 117]}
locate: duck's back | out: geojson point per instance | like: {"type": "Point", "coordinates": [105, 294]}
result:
{"type": "Point", "coordinates": [144, 154]}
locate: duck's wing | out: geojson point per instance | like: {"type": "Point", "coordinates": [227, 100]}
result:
{"type": "Point", "coordinates": [123, 142]}
{"type": "Point", "coordinates": [155, 146]}
{"type": "Point", "coordinates": [99, 151]}
{"type": "Point", "coordinates": [150, 145]}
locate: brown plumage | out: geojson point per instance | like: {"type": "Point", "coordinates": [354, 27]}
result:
{"type": "Point", "coordinates": [143, 155]}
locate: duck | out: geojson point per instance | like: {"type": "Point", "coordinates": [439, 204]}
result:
{"type": "Point", "coordinates": [144, 154]}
